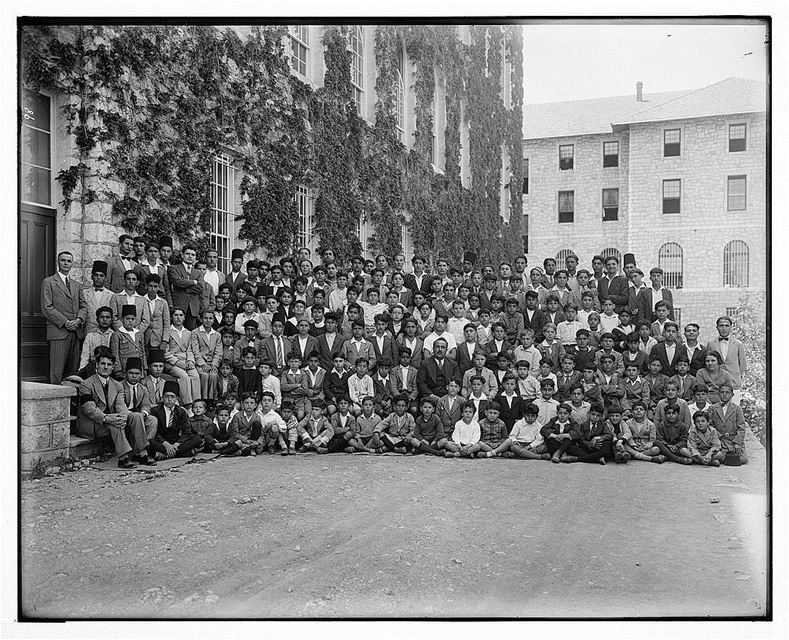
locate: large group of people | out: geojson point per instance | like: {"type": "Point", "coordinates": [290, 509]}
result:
{"type": "Point", "coordinates": [555, 362]}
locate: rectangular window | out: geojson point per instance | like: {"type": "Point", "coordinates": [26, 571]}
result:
{"type": "Point", "coordinates": [305, 205]}
{"type": "Point", "coordinates": [36, 149]}
{"type": "Point", "coordinates": [671, 142]}
{"type": "Point", "coordinates": [299, 46]}
{"type": "Point", "coordinates": [610, 154]}
{"type": "Point", "coordinates": [737, 134]}
{"type": "Point", "coordinates": [735, 193]}
{"type": "Point", "coordinates": [222, 188]}
{"type": "Point", "coordinates": [566, 206]}
{"type": "Point", "coordinates": [678, 315]}
{"type": "Point", "coordinates": [525, 243]}
{"type": "Point", "coordinates": [610, 204]}
{"type": "Point", "coordinates": [672, 190]}
{"type": "Point", "coordinates": [526, 177]}
{"type": "Point", "coordinates": [566, 153]}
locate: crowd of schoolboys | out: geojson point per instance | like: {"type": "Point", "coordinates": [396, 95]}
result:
{"type": "Point", "coordinates": [555, 364]}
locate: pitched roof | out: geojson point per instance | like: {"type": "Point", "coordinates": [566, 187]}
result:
{"type": "Point", "coordinates": [597, 115]}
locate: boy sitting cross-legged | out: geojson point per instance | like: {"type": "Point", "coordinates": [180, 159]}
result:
{"type": "Point", "coordinates": [557, 432]}
{"type": "Point", "coordinates": [397, 428]}
{"type": "Point", "coordinates": [428, 431]}
{"type": "Point", "coordinates": [222, 439]}
{"type": "Point", "coordinates": [314, 431]}
{"type": "Point", "coordinates": [639, 434]}
{"type": "Point", "coordinates": [466, 435]}
{"type": "Point", "coordinates": [493, 439]}
{"type": "Point", "coordinates": [246, 423]}
{"type": "Point", "coordinates": [366, 434]}
{"type": "Point", "coordinates": [343, 425]}
{"type": "Point", "coordinates": [672, 436]}
{"type": "Point", "coordinates": [703, 442]}
{"type": "Point", "coordinates": [592, 440]}
{"type": "Point", "coordinates": [525, 439]}
{"type": "Point", "coordinates": [273, 427]}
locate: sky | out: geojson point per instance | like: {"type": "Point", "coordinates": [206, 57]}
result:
{"type": "Point", "coordinates": [572, 61]}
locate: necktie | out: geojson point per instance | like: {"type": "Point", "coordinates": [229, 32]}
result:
{"type": "Point", "coordinates": [134, 398]}
{"type": "Point", "coordinates": [170, 419]}
{"type": "Point", "coordinates": [106, 395]}
{"type": "Point", "coordinates": [278, 344]}
{"type": "Point", "coordinates": [189, 269]}
{"type": "Point", "coordinates": [158, 391]}
{"type": "Point", "coordinates": [68, 284]}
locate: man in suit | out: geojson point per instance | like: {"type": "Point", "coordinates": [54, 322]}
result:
{"type": "Point", "coordinates": [669, 350]}
{"type": "Point", "coordinates": [136, 396]}
{"type": "Point", "coordinates": [236, 276]}
{"type": "Point", "coordinates": [165, 250]}
{"type": "Point", "coordinates": [155, 265]}
{"type": "Point", "coordinates": [613, 285]}
{"type": "Point", "coordinates": [650, 296]}
{"type": "Point", "coordinates": [118, 265]}
{"type": "Point", "coordinates": [64, 311]}
{"type": "Point", "coordinates": [187, 286]}
{"type": "Point", "coordinates": [728, 419]}
{"type": "Point", "coordinates": [696, 351]}
{"type": "Point", "coordinates": [154, 382]}
{"type": "Point", "coordinates": [207, 298]}
{"type": "Point", "coordinates": [303, 343]}
{"type": "Point", "coordinates": [129, 296]}
{"type": "Point", "coordinates": [103, 411]}
{"type": "Point", "coordinates": [330, 342]}
{"type": "Point", "coordinates": [419, 279]}
{"type": "Point", "coordinates": [436, 371]}
{"type": "Point", "coordinates": [276, 347]}
{"type": "Point", "coordinates": [158, 329]}
{"type": "Point", "coordinates": [732, 353]}
{"type": "Point", "coordinates": [174, 436]}
{"type": "Point", "coordinates": [95, 297]}
{"type": "Point", "coordinates": [466, 349]}
{"type": "Point", "coordinates": [533, 318]}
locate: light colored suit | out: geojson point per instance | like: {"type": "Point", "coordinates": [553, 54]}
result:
{"type": "Point", "coordinates": [165, 289]}
{"type": "Point", "coordinates": [60, 304]}
{"type": "Point", "coordinates": [143, 313]}
{"type": "Point", "coordinates": [92, 300]}
{"type": "Point", "coordinates": [396, 382]}
{"type": "Point", "coordinates": [177, 356]}
{"type": "Point", "coordinates": [115, 271]}
{"type": "Point", "coordinates": [92, 340]}
{"type": "Point", "coordinates": [207, 349]}
{"type": "Point", "coordinates": [158, 329]}
{"type": "Point", "coordinates": [731, 427]}
{"type": "Point", "coordinates": [735, 363]}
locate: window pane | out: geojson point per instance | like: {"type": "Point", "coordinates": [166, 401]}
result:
{"type": "Point", "coordinates": [35, 110]}
{"type": "Point", "coordinates": [671, 136]}
{"type": "Point", "coordinates": [36, 185]}
{"type": "Point", "coordinates": [610, 197]}
{"type": "Point", "coordinates": [671, 188]}
{"type": "Point", "coordinates": [566, 151]}
{"type": "Point", "coordinates": [566, 201]}
{"type": "Point", "coordinates": [736, 131]}
{"type": "Point", "coordinates": [737, 193]}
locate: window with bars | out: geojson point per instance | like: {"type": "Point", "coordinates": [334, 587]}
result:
{"type": "Point", "coordinates": [735, 193]}
{"type": "Point", "coordinates": [737, 137]}
{"type": "Point", "coordinates": [671, 142]}
{"type": "Point", "coordinates": [610, 204]}
{"type": "Point", "coordinates": [610, 154]}
{"type": "Point", "coordinates": [566, 206]}
{"type": "Point", "coordinates": [732, 312]}
{"type": "Point", "coordinates": [222, 190]}
{"type": "Point", "coordinates": [672, 194]}
{"type": "Point", "coordinates": [561, 256]}
{"type": "Point", "coordinates": [670, 260]}
{"type": "Point", "coordinates": [566, 156]}
{"type": "Point", "coordinates": [400, 95]}
{"type": "Point", "coordinates": [299, 47]}
{"type": "Point", "coordinates": [736, 257]}
{"type": "Point", "coordinates": [36, 169]}
{"type": "Point", "coordinates": [305, 205]}
{"type": "Point", "coordinates": [678, 315]}
{"type": "Point", "coordinates": [526, 176]}
{"type": "Point", "coordinates": [611, 252]}
{"type": "Point", "coordinates": [356, 43]}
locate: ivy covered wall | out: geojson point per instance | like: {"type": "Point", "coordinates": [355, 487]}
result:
{"type": "Point", "coordinates": [148, 108]}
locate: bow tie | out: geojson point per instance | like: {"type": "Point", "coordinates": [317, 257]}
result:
{"type": "Point", "coordinates": [723, 339]}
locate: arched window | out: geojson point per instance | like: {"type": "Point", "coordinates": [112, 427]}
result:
{"type": "Point", "coordinates": [400, 95]}
{"type": "Point", "coordinates": [670, 260]}
{"type": "Point", "coordinates": [562, 256]}
{"type": "Point", "coordinates": [356, 42]}
{"type": "Point", "coordinates": [611, 251]}
{"type": "Point", "coordinates": [736, 264]}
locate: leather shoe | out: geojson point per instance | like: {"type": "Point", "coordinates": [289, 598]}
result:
{"type": "Point", "coordinates": [126, 464]}
{"type": "Point", "coordinates": [146, 460]}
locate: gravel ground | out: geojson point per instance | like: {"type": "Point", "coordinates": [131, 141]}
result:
{"type": "Point", "coordinates": [391, 536]}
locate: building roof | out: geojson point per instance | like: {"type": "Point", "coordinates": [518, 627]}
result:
{"type": "Point", "coordinates": [600, 115]}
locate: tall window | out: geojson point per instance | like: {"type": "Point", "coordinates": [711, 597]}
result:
{"type": "Point", "coordinates": [736, 264]}
{"type": "Point", "coordinates": [735, 193]}
{"type": "Point", "coordinates": [611, 251]}
{"type": "Point", "coordinates": [400, 95]}
{"type": "Point", "coordinates": [36, 149]}
{"type": "Point", "coordinates": [222, 189]}
{"type": "Point", "coordinates": [566, 153]}
{"type": "Point", "coordinates": [299, 47]}
{"type": "Point", "coordinates": [305, 205]}
{"type": "Point", "coordinates": [566, 206]}
{"type": "Point", "coordinates": [672, 191]}
{"type": "Point", "coordinates": [357, 65]}
{"type": "Point", "coordinates": [525, 176]}
{"type": "Point", "coordinates": [737, 133]}
{"type": "Point", "coordinates": [671, 142]}
{"type": "Point", "coordinates": [610, 204]}
{"type": "Point", "coordinates": [610, 154]}
{"type": "Point", "coordinates": [670, 260]}
{"type": "Point", "coordinates": [562, 256]}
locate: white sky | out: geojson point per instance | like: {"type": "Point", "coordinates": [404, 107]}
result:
{"type": "Point", "coordinates": [572, 61]}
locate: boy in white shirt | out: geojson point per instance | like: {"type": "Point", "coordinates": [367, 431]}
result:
{"type": "Point", "coordinates": [528, 387]}
{"type": "Point", "coordinates": [458, 321]}
{"type": "Point", "coordinates": [527, 351]}
{"type": "Point", "coordinates": [565, 331]}
{"type": "Point", "coordinates": [371, 308]}
{"type": "Point", "coordinates": [270, 382]}
{"type": "Point", "coordinates": [525, 439]}
{"type": "Point", "coordinates": [608, 319]}
{"type": "Point", "coordinates": [274, 427]}
{"type": "Point", "coordinates": [466, 435]}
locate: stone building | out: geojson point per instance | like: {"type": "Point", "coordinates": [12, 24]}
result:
{"type": "Point", "coordinates": [676, 178]}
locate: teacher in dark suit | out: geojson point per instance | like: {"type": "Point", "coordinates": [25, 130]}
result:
{"type": "Point", "coordinates": [613, 285]}
{"type": "Point", "coordinates": [187, 283]}
{"type": "Point", "coordinates": [65, 311]}
{"type": "Point", "coordinates": [436, 371]}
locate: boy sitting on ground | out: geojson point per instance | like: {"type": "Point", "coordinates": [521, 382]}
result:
{"type": "Point", "coordinates": [525, 439]}
{"type": "Point", "coordinates": [367, 421]}
{"type": "Point", "coordinates": [397, 429]}
{"type": "Point", "coordinates": [672, 437]}
{"type": "Point", "coordinates": [428, 431]}
{"type": "Point", "coordinates": [703, 442]}
{"type": "Point", "coordinates": [466, 434]}
{"type": "Point", "coordinates": [639, 434]}
{"type": "Point", "coordinates": [493, 439]}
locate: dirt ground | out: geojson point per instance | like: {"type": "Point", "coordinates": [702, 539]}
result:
{"type": "Point", "coordinates": [357, 536]}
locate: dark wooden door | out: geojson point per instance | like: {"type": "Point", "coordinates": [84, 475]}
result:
{"type": "Point", "coordinates": [36, 262]}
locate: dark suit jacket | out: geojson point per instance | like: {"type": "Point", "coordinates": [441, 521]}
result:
{"type": "Point", "coordinates": [697, 359]}
{"type": "Point", "coordinates": [235, 280]}
{"type": "Point", "coordinates": [563, 390]}
{"type": "Point", "coordinates": [328, 354]}
{"type": "Point", "coordinates": [645, 309]}
{"type": "Point", "coordinates": [537, 322]}
{"type": "Point", "coordinates": [115, 271]}
{"type": "Point", "coordinates": [465, 359]}
{"type": "Point", "coordinates": [59, 305]}
{"type": "Point", "coordinates": [510, 415]}
{"type": "Point", "coordinates": [180, 426]}
{"type": "Point", "coordinates": [268, 351]}
{"type": "Point", "coordinates": [426, 378]}
{"type": "Point", "coordinates": [659, 351]}
{"type": "Point", "coordinates": [410, 282]}
{"type": "Point", "coordinates": [310, 346]}
{"type": "Point", "coordinates": [186, 294]}
{"type": "Point", "coordinates": [164, 290]}
{"type": "Point", "coordinates": [390, 350]}
{"type": "Point", "coordinates": [616, 289]}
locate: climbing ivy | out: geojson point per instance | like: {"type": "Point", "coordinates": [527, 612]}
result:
{"type": "Point", "coordinates": [150, 107]}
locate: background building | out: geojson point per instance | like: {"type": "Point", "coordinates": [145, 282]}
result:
{"type": "Point", "coordinates": [371, 138]}
{"type": "Point", "coordinates": [677, 178]}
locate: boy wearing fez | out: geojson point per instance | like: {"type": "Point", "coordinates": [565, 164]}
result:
{"type": "Point", "coordinates": [127, 342]}
{"type": "Point", "coordinates": [174, 436]}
